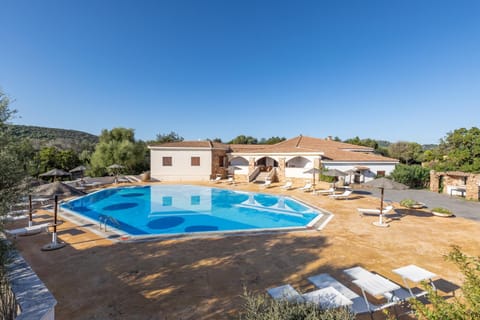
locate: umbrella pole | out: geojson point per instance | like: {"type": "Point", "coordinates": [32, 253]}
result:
{"type": "Point", "coordinates": [381, 206]}
{"type": "Point", "coordinates": [30, 209]}
{"type": "Point", "coordinates": [54, 245]}
{"type": "Point", "coordinates": [54, 233]}
{"type": "Point", "coordinates": [380, 222]}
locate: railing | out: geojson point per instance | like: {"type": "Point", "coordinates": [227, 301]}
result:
{"type": "Point", "coordinates": [253, 174]}
{"type": "Point", "coordinates": [104, 219]}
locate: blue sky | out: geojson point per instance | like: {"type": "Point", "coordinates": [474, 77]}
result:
{"type": "Point", "coordinates": [394, 70]}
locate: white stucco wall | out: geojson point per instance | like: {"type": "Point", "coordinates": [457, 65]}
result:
{"type": "Point", "coordinates": [369, 175]}
{"type": "Point", "coordinates": [181, 169]}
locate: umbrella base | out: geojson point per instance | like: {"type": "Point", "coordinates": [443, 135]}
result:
{"type": "Point", "coordinates": [53, 246]}
{"type": "Point", "coordinates": [381, 224]}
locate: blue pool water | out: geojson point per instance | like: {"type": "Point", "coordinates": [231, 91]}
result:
{"type": "Point", "coordinates": [176, 209]}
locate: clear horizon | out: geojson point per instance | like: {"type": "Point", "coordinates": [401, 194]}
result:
{"type": "Point", "coordinates": [395, 71]}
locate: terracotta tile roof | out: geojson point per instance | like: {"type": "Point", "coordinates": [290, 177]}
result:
{"type": "Point", "coordinates": [332, 150]}
{"type": "Point", "coordinates": [190, 144]}
{"type": "Point", "coordinates": [248, 147]}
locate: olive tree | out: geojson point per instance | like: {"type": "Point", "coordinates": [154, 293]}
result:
{"type": "Point", "coordinates": [118, 146]}
{"type": "Point", "coordinates": [12, 173]}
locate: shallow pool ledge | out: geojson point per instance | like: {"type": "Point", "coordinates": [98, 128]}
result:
{"type": "Point", "coordinates": [34, 299]}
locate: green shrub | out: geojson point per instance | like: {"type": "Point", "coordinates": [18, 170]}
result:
{"type": "Point", "coordinates": [414, 176]}
{"type": "Point", "coordinates": [408, 202]}
{"type": "Point", "coordinates": [262, 307]}
{"type": "Point", "coordinates": [464, 306]}
{"type": "Point", "coordinates": [327, 178]}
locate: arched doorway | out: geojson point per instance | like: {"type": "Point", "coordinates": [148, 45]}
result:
{"type": "Point", "coordinates": [266, 163]}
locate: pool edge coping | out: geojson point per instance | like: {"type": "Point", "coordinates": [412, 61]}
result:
{"type": "Point", "coordinates": [119, 236]}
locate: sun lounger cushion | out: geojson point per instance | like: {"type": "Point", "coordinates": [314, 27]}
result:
{"type": "Point", "coordinates": [344, 195]}
{"type": "Point", "coordinates": [285, 292]}
{"type": "Point", "coordinates": [325, 192]}
{"type": "Point", "coordinates": [361, 273]}
{"type": "Point", "coordinates": [325, 280]}
{"type": "Point", "coordinates": [27, 230]}
{"type": "Point", "coordinates": [287, 185]}
{"type": "Point", "coordinates": [385, 210]}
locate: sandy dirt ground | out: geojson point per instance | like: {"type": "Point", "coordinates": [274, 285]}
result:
{"type": "Point", "coordinates": [203, 278]}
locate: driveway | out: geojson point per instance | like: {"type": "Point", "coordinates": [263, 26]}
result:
{"type": "Point", "coordinates": [459, 206]}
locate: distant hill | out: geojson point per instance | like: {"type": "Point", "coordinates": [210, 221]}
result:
{"type": "Point", "coordinates": [383, 143]}
{"type": "Point", "coordinates": [429, 146]}
{"type": "Point", "coordinates": [53, 137]}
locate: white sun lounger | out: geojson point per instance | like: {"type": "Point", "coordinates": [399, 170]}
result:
{"type": "Point", "coordinates": [216, 180]}
{"type": "Point", "coordinates": [344, 195]}
{"type": "Point", "coordinates": [288, 185]}
{"type": "Point", "coordinates": [327, 297]}
{"type": "Point", "coordinates": [267, 184]}
{"type": "Point", "coordinates": [359, 273]}
{"type": "Point", "coordinates": [359, 305]}
{"type": "Point", "coordinates": [307, 187]}
{"type": "Point", "coordinates": [385, 210]}
{"type": "Point", "coordinates": [28, 230]}
{"type": "Point", "coordinates": [17, 217]}
{"type": "Point", "coordinates": [285, 292]}
{"type": "Point", "coordinates": [325, 192]}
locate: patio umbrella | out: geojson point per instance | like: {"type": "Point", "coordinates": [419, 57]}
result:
{"type": "Point", "coordinates": [78, 169]}
{"type": "Point", "coordinates": [313, 171]}
{"type": "Point", "coordinates": [384, 183]}
{"type": "Point", "coordinates": [55, 189]}
{"type": "Point", "coordinates": [334, 173]}
{"type": "Point", "coordinates": [55, 173]}
{"type": "Point", "coordinates": [115, 169]}
{"type": "Point", "coordinates": [115, 166]}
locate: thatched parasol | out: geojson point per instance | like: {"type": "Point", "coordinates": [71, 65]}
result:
{"type": "Point", "coordinates": [55, 189]}
{"type": "Point", "coordinates": [55, 173]}
{"type": "Point", "coordinates": [384, 183]}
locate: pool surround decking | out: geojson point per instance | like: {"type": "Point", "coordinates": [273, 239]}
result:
{"type": "Point", "coordinates": [203, 278]}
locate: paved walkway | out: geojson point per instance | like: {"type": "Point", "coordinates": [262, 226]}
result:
{"type": "Point", "coordinates": [459, 206]}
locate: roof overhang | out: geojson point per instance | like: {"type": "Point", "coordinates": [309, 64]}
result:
{"type": "Point", "coordinates": [184, 148]}
{"type": "Point", "coordinates": [285, 154]}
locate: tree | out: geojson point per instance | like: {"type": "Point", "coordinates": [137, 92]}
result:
{"type": "Point", "coordinates": [242, 139]}
{"type": "Point", "coordinates": [460, 150]}
{"type": "Point", "coordinates": [118, 146]}
{"type": "Point", "coordinates": [12, 168]}
{"type": "Point", "coordinates": [465, 308]}
{"type": "Point", "coordinates": [272, 140]}
{"type": "Point", "coordinates": [406, 152]}
{"type": "Point", "coordinates": [379, 146]}
{"type": "Point", "coordinates": [363, 142]}
{"type": "Point", "coordinates": [169, 137]}
{"type": "Point", "coordinates": [414, 176]}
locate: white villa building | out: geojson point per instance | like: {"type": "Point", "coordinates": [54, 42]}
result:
{"type": "Point", "coordinates": [293, 159]}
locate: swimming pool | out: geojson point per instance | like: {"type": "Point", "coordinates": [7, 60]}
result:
{"type": "Point", "coordinates": [180, 209]}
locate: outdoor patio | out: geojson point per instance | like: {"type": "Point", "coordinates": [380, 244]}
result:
{"type": "Point", "coordinates": [203, 278]}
